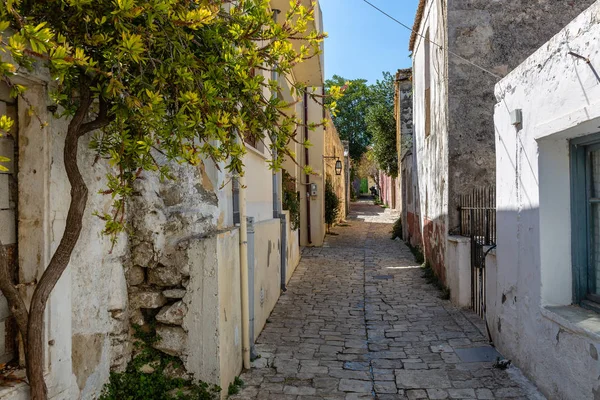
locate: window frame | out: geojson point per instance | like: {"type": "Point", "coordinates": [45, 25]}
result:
{"type": "Point", "coordinates": [581, 228]}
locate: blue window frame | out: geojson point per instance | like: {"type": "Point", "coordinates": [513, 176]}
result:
{"type": "Point", "coordinates": [585, 220]}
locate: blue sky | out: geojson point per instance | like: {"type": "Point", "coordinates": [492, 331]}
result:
{"type": "Point", "coordinates": [363, 42]}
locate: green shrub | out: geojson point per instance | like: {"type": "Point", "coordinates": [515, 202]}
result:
{"type": "Point", "coordinates": [145, 378]}
{"type": "Point", "coordinates": [332, 204]}
{"type": "Point", "coordinates": [397, 229]}
{"type": "Point", "coordinates": [234, 387]}
{"type": "Point", "coordinates": [290, 200]}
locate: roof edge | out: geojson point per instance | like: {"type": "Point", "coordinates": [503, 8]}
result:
{"type": "Point", "coordinates": [417, 24]}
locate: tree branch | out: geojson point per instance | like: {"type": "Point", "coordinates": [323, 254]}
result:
{"type": "Point", "coordinates": [101, 120]}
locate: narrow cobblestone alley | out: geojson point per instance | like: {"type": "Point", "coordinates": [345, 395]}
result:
{"type": "Point", "coordinates": [359, 322]}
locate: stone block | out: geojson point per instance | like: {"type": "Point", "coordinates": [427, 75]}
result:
{"type": "Point", "coordinates": [437, 394]}
{"type": "Point", "coordinates": [422, 379]}
{"type": "Point", "coordinates": [175, 371]}
{"type": "Point", "coordinates": [165, 276]}
{"type": "Point", "coordinates": [135, 275]}
{"type": "Point", "coordinates": [143, 255]}
{"type": "Point", "coordinates": [356, 386]}
{"type": "Point", "coordinates": [172, 314]}
{"type": "Point", "coordinates": [137, 318]}
{"type": "Point", "coordinates": [461, 393]}
{"type": "Point", "coordinates": [147, 299]}
{"type": "Point", "coordinates": [174, 293]}
{"type": "Point", "coordinates": [173, 340]}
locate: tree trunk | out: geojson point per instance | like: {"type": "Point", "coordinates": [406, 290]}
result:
{"type": "Point", "coordinates": [60, 259]}
{"type": "Point", "coordinates": [13, 297]}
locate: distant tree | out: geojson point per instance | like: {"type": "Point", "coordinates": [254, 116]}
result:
{"type": "Point", "coordinates": [368, 168]}
{"type": "Point", "coordinates": [351, 109]}
{"type": "Point", "coordinates": [381, 125]}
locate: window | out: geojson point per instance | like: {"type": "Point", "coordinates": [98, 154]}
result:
{"type": "Point", "coordinates": [585, 211]}
{"type": "Point", "coordinates": [235, 188]}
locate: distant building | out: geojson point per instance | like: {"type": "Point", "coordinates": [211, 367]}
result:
{"type": "Point", "coordinates": [408, 199]}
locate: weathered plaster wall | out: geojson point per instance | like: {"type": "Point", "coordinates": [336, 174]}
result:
{"type": "Point", "coordinates": [431, 152]}
{"type": "Point", "coordinates": [102, 292]}
{"type": "Point", "coordinates": [230, 310]}
{"type": "Point", "coordinates": [532, 319]}
{"type": "Point", "coordinates": [259, 178]}
{"type": "Point", "coordinates": [267, 270]}
{"type": "Point", "coordinates": [86, 321]}
{"type": "Point", "coordinates": [213, 321]}
{"type": "Point", "coordinates": [497, 35]}
{"type": "Point", "coordinates": [334, 147]}
{"type": "Point", "coordinates": [408, 180]}
{"type": "Point", "coordinates": [411, 212]}
{"type": "Point", "coordinates": [316, 152]}
{"type": "Point", "coordinates": [459, 262]}
{"type": "Point", "coordinates": [293, 248]}
{"type": "Point", "coordinates": [388, 190]}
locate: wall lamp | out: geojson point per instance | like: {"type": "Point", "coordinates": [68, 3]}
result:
{"type": "Point", "coordinates": [338, 164]}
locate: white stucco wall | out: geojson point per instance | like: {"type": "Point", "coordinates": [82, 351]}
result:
{"type": "Point", "coordinates": [431, 152]}
{"type": "Point", "coordinates": [532, 319]}
{"type": "Point", "coordinates": [293, 248]}
{"type": "Point", "coordinates": [259, 182]}
{"type": "Point", "coordinates": [458, 261]}
{"type": "Point", "coordinates": [213, 321]}
{"type": "Point", "coordinates": [267, 271]}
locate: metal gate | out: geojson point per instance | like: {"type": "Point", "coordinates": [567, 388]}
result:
{"type": "Point", "coordinates": [478, 222]}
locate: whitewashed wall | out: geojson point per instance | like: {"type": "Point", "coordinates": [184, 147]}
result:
{"type": "Point", "coordinates": [532, 319]}
{"type": "Point", "coordinates": [432, 151]}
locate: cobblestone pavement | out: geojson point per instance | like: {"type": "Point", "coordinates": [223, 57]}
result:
{"type": "Point", "coordinates": [359, 322]}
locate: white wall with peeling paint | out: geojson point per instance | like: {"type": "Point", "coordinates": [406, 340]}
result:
{"type": "Point", "coordinates": [531, 315]}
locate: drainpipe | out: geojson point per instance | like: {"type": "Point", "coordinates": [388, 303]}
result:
{"type": "Point", "coordinates": [244, 273]}
{"type": "Point", "coordinates": [251, 286]}
{"type": "Point", "coordinates": [306, 162]}
{"type": "Point", "coordinates": [276, 175]}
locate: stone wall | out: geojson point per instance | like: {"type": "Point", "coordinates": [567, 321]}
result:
{"type": "Point", "coordinates": [497, 35]}
{"type": "Point", "coordinates": [334, 146]}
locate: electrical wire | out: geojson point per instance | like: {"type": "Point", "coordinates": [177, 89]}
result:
{"type": "Point", "coordinates": [432, 42]}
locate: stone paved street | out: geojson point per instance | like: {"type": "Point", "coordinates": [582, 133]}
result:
{"type": "Point", "coordinates": [359, 322]}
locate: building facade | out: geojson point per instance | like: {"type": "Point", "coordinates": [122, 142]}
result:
{"type": "Point", "coordinates": [460, 51]}
{"type": "Point", "coordinates": [408, 197]}
{"type": "Point", "coordinates": [180, 270]}
{"type": "Point", "coordinates": [542, 302]}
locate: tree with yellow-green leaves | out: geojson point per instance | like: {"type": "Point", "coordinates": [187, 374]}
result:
{"type": "Point", "coordinates": [147, 77]}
